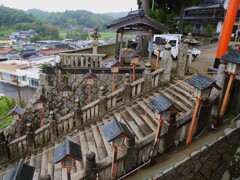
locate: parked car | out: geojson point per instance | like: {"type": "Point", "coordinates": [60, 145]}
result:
{"type": "Point", "coordinates": [174, 40]}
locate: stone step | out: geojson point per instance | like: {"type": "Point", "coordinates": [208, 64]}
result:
{"type": "Point", "coordinates": [179, 97]}
{"type": "Point", "coordinates": [139, 121]}
{"type": "Point", "coordinates": [145, 107]}
{"type": "Point", "coordinates": [99, 141]}
{"type": "Point", "coordinates": [182, 107]}
{"type": "Point", "coordinates": [131, 123]}
{"type": "Point", "coordinates": [91, 142]}
{"type": "Point", "coordinates": [183, 85]}
{"type": "Point", "coordinates": [149, 121]}
{"type": "Point", "coordinates": [188, 94]}
{"type": "Point", "coordinates": [84, 145]}
{"type": "Point", "coordinates": [106, 143]}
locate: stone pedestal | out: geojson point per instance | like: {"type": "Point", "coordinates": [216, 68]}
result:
{"type": "Point", "coordinates": [147, 78]}
{"type": "Point", "coordinates": [171, 128]}
{"type": "Point", "coordinates": [95, 44]}
{"type": "Point", "coordinates": [127, 89]}
{"type": "Point", "coordinates": [53, 126]}
{"type": "Point", "coordinates": [4, 150]}
{"type": "Point", "coordinates": [103, 101]}
{"type": "Point", "coordinates": [182, 60]}
{"type": "Point", "coordinates": [221, 75]}
{"type": "Point", "coordinates": [90, 166]}
{"type": "Point", "coordinates": [167, 63]}
{"type": "Point", "coordinates": [77, 113]}
{"type": "Point", "coordinates": [204, 114]}
{"type": "Point", "coordinates": [30, 137]}
{"type": "Point", "coordinates": [130, 158]}
{"type": "Point", "coordinates": [189, 60]}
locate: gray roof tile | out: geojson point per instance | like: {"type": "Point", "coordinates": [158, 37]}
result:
{"type": "Point", "coordinates": [160, 103]}
{"type": "Point", "coordinates": [16, 109]}
{"type": "Point", "coordinates": [67, 148]}
{"type": "Point", "coordinates": [233, 56]}
{"type": "Point", "coordinates": [201, 81]}
{"type": "Point", "coordinates": [114, 128]}
{"type": "Point", "coordinates": [20, 172]}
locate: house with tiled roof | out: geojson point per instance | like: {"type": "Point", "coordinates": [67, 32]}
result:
{"type": "Point", "coordinates": [207, 12]}
{"type": "Point", "coordinates": [7, 53]}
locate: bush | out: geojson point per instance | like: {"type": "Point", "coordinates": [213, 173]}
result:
{"type": "Point", "coordinates": [188, 29]}
{"type": "Point", "coordinates": [208, 30]}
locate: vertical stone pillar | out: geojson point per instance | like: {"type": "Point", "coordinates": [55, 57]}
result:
{"type": "Point", "coordinates": [127, 89]}
{"type": "Point", "coordinates": [90, 166]}
{"type": "Point", "coordinates": [182, 60]}
{"type": "Point", "coordinates": [203, 116]}
{"type": "Point", "coordinates": [168, 139]}
{"type": "Point", "coordinates": [77, 113]}
{"type": "Point", "coordinates": [53, 126]}
{"type": "Point", "coordinates": [189, 60]}
{"type": "Point", "coordinates": [167, 63]}
{"type": "Point", "coordinates": [103, 101]}
{"type": "Point", "coordinates": [234, 103]}
{"type": "Point", "coordinates": [221, 75]}
{"type": "Point", "coordinates": [5, 152]}
{"type": "Point", "coordinates": [0, 76]}
{"type": "Point", "coordinates": [131, 157]}
{"type": "Point", "coordinates": [30, 137]}
{"type": "Point", "coordinates": [147, 78]}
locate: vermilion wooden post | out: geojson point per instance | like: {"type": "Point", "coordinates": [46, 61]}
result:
{"type": "Point", "coordinates": [193, 122]}
{"type": "Point", "coordinates": [225, 100]}
{"type": "Point", "coordinates": [226, 30]}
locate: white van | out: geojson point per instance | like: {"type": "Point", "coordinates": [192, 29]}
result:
{"type": "Point", "coordinates": [174, 40]}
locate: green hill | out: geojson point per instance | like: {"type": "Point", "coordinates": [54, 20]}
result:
{"type": "Point", "coordinates": [75, 18]}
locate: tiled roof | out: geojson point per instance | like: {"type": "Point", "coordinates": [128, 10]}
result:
{"type": "Point", "coordinates": [86, 75]}
{"type": "Point", "coordinates": [5, 50]}
{"type": "Point", "coordinates": [160, 103]}
{"type": "Point", "coordinates": [233, 56]}
{"type": "Point", "coordinates": [40, 97]}
{"type": "Point", "coordinates": [201, 81]}
{"type": "Point", "coordinates": [20, 172]}
{"type": "Point", "coordinates": [68, 87]}
{"type": "Point", "coordinates": [67, 148]}
{"type": "Point", "coordinates": [135, 18]}
{"type": "Point", "coordinates": [114, 128]}
{"type": "Point", "coordinates": [16, 109]}
{"type": "Point", "coordinates": [52, 51]}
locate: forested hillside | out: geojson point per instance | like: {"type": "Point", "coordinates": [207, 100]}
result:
{"type": "Point", "coordinates": [75, 18]}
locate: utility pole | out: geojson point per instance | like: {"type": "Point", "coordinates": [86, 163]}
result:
{"type": "Point", "coordinates": [19, 95]}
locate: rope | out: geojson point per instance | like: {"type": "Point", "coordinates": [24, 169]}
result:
{"type": "Point", "coordinates": [179, 82]}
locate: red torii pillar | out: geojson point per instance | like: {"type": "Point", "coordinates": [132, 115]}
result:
{"type": "Point", "coordinates": [226, 30]}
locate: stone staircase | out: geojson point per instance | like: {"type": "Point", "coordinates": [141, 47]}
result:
{"type": "Point", "coordinates": [137, 115]}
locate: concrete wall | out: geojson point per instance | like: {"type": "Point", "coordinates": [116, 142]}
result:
{"type": "Point", "coordinates": [209, 162]}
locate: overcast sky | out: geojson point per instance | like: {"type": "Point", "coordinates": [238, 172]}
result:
{"type": "Point", "coordinates": [95, 6]}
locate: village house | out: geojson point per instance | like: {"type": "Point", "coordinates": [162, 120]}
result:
{"type": "Point", "coordinates": [7, 53]}
{"type": "Point", "coordinates": [207, 12]}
